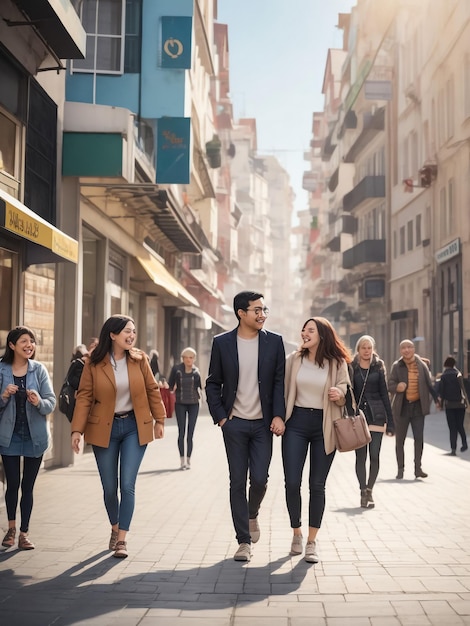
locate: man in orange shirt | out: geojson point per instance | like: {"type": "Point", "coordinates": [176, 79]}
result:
{"type": "Point", "coordinates": [410, 385]}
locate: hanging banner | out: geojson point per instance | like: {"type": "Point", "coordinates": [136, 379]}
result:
{"type": "Point", "coordinates": [173, 157]}
{"type": "Point", "coordinates": [175, 52]}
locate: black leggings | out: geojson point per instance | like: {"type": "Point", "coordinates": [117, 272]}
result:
{"type": "Point", "coordinates": [11, 465]}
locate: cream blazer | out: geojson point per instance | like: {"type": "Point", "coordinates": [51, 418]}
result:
{"type": "Point", "coordinates": [337, 377]}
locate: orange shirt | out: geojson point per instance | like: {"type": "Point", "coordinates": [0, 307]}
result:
{"type": "Point", "coordinates": [412, 390]}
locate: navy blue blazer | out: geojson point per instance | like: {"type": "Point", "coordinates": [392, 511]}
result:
{"type": "Point", "coordinates": [222, 380]}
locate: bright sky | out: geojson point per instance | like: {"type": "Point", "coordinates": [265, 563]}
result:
{"type": "Point", "coordinates": [278, 51]}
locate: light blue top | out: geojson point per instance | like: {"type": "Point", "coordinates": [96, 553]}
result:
{"type": "Point", "coordinates": [37, 379]}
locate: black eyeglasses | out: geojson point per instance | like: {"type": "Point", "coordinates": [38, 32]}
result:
{"type": "Point", "coordinates": [257, 310]}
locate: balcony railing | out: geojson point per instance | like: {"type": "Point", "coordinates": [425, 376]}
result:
{"type": "Point", "coordinates": [367, 251]}
{"type": "Point", "coordinates": [369, 187]}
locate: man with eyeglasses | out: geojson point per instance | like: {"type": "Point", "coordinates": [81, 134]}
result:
{"type": "Point", "coordinates": [245, 394]}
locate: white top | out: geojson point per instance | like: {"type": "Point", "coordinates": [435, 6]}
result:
{"type": "Point", "coordinates": [123, 393]}
{"type": "Point", "coordinates": [310, 382]}
{"type": "Point", "coordinates": [247, 404]}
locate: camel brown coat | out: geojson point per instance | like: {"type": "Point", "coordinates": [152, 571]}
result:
{"type": "Point", "coordinates": [96, 400]}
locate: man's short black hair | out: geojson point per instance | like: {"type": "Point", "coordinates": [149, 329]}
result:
{"type": "Point", "coordinates": [242, 300]}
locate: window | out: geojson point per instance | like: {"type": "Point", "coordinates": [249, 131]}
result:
{"type": "Point", "coordinates": [443, 211]}
{"type": "Point", "coordinates": [9, 145]}
{"type": "Point", "coordinates": [450, 107]}
{"type": "Point", "coordinates": [409, 228]}
{"type": "Point", "coordinates": [466, 86]}
{"type": "Point", "coordinates": [394, 244]}
{"type": "Point", "coordinates": [418, 230]}
{"type": "Point", "coordinates": [402, 240]}
{"type": "Point", "coordinates": [103, 21]}
{"type": "Point", "coordinates": [450, 207]}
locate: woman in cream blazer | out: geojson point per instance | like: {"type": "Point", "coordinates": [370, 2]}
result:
{"type": "Point", "coordinates": [316, 384]}
{"type": "Point", "coordinates": [119, 410]}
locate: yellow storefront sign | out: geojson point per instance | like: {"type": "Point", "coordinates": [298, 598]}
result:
{"type": "Point", "coordinates": [23, 222]}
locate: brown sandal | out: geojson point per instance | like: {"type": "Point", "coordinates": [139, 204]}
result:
{"type": "Point", "coordinates": [9, 539]}
{"type": "Point", "coordinates": [24, 543]}
{"type": "Point", "coordinates": [121, 550]}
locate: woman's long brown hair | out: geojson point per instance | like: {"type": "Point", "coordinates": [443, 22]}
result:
{"type": "Point", "coordinates": [331, 346]}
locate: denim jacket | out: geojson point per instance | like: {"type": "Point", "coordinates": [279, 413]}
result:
{"type": "Point", "coordinates": [37, 379]}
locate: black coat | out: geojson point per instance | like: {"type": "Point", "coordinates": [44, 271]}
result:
{"type": "Point", "coordinates": [375, 401]}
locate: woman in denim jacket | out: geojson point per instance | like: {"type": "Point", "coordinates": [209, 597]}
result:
{"type": "Point", "coordinates": [26, 398]}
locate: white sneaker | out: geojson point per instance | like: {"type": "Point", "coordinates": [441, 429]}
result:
{"type": "Point", "coordinates": [243, 553]}
{"type": "Point", "coordinates": [311, 555]}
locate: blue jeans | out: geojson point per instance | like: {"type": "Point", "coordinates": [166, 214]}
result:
{"type": "Point", "coordinates": [304, 429]}
{"type": "Point", "coordinates": [125, 454]}
{"type": "Point", "coordinates": [181, 410]}
{"type": "Point", "coordinates": [248, 444]}
{"type": "Point", "coordinates": [361, 458]}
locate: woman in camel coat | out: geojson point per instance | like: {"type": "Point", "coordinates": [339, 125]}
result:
{"type": "Point", "coordinates": [119, 410]}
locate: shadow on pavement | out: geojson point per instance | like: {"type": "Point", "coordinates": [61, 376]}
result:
{"type": "Point", "coordinates": [77, 595]}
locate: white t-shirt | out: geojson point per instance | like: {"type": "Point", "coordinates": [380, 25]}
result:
{"type": "Point", "coordinates": [311, 380]}
{"type": "Point", "coordinates": [247, 404]}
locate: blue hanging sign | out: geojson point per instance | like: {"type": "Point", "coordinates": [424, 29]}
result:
{"type": "Point", "coordinates": [175, 50]}
{"type": "Point", "coordinates": [173, 156]}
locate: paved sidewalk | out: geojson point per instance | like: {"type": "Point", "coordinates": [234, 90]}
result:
{"type": "Point", "coordinates": [405, 562]}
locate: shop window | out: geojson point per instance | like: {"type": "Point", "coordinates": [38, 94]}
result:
{"type": "Point", "coordinates": [8, 263]}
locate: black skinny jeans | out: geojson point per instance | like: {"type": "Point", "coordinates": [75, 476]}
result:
{"type": "Point", "coordinates": [304, 429]}
{"type": "Point", "coordinates": [455, 420]}
{"type": "Point", "coordinates": [361, 459]}
{"type": "Point", "coordinates": [11, 466]}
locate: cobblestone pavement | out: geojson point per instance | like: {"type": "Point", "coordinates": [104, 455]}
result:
{"type": "Point", "coordinates": [405, 562]}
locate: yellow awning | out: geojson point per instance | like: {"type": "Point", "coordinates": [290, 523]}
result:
{"type": "Point", "coordinates": [161, 276]}
{"type": "Point", "coordinates": [17, 218]}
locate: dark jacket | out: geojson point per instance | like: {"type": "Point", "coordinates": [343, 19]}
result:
{"type": "Point", "coordinates": [398, 374]}
{"type": "Point", "coordinates": [185, 394]}
{"type": "Point", "coordinates": [451, 388]}
{"type": "Point", "coordinates": [375, 400]}
{"type": "Point", "coordinates": [222, 380]}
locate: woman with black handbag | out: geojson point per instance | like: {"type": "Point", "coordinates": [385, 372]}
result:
{"type": "Point", "coordinates": [368, 376]}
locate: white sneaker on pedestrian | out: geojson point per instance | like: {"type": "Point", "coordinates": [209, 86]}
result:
{"type": "Point", "coordinates": [296, 545]}
{"type": "Point", "coordinates": [311, 555]}
{"type": "Point", "coordinates": [243, 553]}
{"type": "Point", "coordinates": [254, 530]}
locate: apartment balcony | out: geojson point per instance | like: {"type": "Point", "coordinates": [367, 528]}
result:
{"type": "Point", "coordinates": [367, 251]}
{"type": "Point", "coordinates": [345, 224]}
{"type": "Point", "coordinates": [369, 187]}
{"type": "Point", "coordinates": [349, 123]}
{"type": "Point", "coordinates": [373, 123]}
{"type": "Point", "coordinates": [328, 147]}
{"type": "Point", "coordinates": [310, 180]}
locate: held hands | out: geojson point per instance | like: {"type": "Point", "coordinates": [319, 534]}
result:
{"type": "Point", "coordinates": [277, 426]}
{"type": "Point", "coordinates": [31, 395]}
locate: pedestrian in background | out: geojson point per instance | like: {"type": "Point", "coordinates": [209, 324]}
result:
{"type": "Point", "coordinates": [245, 394]}
{"type": "Point", "coordinates": [116, 401]}
{"type": "Point", "coordinates": [26, 399]}
{"type": "Point", "coordinates": [74, 373]}
{"type": "Point", "coordinates": [154, 365]}
{"type": "Point", "coordinates": [452, 392]}
{"type": "Point", "coordinates": [185, 381]}
{"type": "Point", "coordinates": [316, 383]}
{"type": "Point", "coordinates": [369, 382]}
{"type": "Point", "coordinates": [410, 384]}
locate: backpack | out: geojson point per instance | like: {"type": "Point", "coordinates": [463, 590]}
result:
{"type": "Point", "coordinates": [67, 391]}
{"type": "Point", "coordinates": [67, 399]}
